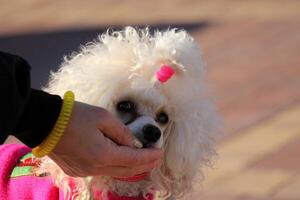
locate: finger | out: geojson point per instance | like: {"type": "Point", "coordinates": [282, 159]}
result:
{"type": "Point", "coordinates": [76, 170]}
{"type": "Point", "coordinates": [65, 167]}
{"type": "Point", "coordinates": [116, 130]}
{"type": "Point", "coordinates": [145, 168]}
{"type": "Point", "coordinates": [126, 171]}
{"type": "Point", "coordinates": [70, 172]}
{"type": "Point", "coordinates": [126, 156]}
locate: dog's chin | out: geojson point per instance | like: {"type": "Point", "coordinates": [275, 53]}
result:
{"type": "Point", "coordinates": [132, 186]}
{"type": "Point", "coordinates": [151, 145]}
{"type": "Point", "coordinates": [157, 145]}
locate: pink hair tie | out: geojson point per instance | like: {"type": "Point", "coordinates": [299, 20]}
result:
{"type": "Point", "coordinates": [165, 73]}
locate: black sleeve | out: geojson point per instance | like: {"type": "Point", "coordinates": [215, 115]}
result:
{"type": "Point", "coordinates": [26, 113]}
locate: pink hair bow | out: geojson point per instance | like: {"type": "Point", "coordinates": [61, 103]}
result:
{"type": "Point", "coordinates": [165, 73]}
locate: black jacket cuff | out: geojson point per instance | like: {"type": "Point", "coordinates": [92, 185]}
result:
{"type": "Point", "coordinates": [39, 117]}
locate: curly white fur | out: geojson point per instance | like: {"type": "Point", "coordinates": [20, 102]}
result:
{"type": "Point", "coordinates": [124, 62]}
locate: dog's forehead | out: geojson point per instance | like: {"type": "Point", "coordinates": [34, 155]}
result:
{"type": "Point", "coordinates": [148, 98]}
{"type": "Point", "coordinates": [149, 105]}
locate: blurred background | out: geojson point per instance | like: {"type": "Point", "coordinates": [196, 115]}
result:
{"type": "Point", "coordinates": [252, 50]}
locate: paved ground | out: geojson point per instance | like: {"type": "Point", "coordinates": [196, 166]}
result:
{"type": "Point", "coordinates": [252, 50]}
{"type": "Point", "coordinates": [255, 68]}
{"type": "Point", "coordinates": [262, 162]}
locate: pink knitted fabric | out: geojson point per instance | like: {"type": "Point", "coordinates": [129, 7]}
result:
{"type": "Point", "coordinates": [23, 187]}
{"type": "Point", "coordinates": [30, 187]}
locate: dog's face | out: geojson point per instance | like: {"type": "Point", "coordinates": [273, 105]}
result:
{"type": "Point", "coordinates": [146, 122]}
{"type": "Point", "coordinates": [144, 111]}
{"type": "Point", "coordinates": [118, 73]}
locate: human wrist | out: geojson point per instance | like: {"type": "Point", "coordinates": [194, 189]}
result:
{"type": "Point", "coordinates": [59, 128]}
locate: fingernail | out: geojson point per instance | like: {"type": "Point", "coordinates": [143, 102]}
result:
{"type": "Point", "coordinates": [137, 143]}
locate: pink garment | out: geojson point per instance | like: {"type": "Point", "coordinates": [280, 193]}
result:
{"type": "Point", "coordinates": [30, 187]}
{"type": "Point", "coordinates": [23, 187]}
{"type": "Point", "coordinates": [112, 196]}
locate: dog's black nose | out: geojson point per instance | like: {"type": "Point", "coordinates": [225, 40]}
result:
{"type": "Point", "coordinates": [151, 133]}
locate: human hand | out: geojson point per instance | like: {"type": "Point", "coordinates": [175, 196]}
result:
{"type": "Point", "coordinates": [96, 143]}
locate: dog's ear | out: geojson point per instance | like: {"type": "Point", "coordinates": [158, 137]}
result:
{"type": "Point", "coordinates": [188, 146]}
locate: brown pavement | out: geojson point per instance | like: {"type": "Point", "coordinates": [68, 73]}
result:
{"type": "Point", "coordinates": [254, 68]}
{"type": "Point", "coordinates": [47, 15]}
{"type": "Point", "coordinates": [238, 174]}
{"type": "Point", "coordinates": [252, 52]}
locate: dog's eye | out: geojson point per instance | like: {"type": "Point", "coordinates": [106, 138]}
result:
{"type": "Point", "coordinates": [125, 106]}
{"type": "Point", "coordinates": [162, 118]}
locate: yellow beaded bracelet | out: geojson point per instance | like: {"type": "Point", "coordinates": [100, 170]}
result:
{"type": "Point", "coordinates": [59, 128]}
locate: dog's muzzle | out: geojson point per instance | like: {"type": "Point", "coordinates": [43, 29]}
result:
{"type": "Point", "coordinates": [151, 133]}
{"type": "Point", "coordinates": [146, 130]}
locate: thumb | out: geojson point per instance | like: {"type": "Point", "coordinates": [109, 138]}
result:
{"type": "Point", "coordinates": [118, 132]}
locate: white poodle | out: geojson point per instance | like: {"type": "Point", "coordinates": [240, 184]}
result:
{"type": "Point", "coordinates": [154, 84]}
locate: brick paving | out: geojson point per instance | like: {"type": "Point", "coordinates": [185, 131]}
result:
{"type": "Point", "coordinates": [252, 50]}
{"type": "Point", "coordinates": [286, 158]}
{"type": "Point", "coordinates": [255, 70]}
{"type": "Point", "coordinates": [245, 169]}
